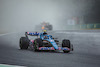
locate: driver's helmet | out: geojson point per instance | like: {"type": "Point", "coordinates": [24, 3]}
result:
{"type": "Point", "coordinates": [44, 30]}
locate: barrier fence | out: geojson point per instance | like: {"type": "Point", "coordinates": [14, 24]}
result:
{"type": "Point", "coordinates": [83, 26]}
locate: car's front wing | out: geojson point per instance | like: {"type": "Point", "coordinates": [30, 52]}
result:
{"type": "Point", "coordinates": [52, 48]}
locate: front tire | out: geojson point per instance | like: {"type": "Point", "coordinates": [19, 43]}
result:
{"type": "Point", "coordinates": [37, 43]}
{"type": "Point", "coordinates": [24, 43]}
{"type": "Point", "coordinates": [66, 43]}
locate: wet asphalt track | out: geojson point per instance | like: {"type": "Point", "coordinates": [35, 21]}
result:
{"type": "Point", "coordinates": [86, 51]}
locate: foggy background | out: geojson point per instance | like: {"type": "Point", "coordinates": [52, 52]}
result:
{"type": "Point", "coordinates": [23, 15]}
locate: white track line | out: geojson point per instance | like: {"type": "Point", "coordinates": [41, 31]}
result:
{"type": "Point", "coordinates": [7, 33]}
{"type": "Point", "coordinates": [6, 65]}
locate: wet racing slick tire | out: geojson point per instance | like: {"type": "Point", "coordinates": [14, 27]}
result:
{"type": "Point", "coordinates": [66, 43]}
{"type": "Point", "coordinates": [24, 43]}
{"type": "Point", "coordinates": [37, 43]}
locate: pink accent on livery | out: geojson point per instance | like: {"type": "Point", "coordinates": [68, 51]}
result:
{"type": "Point", "coordinates": [32, 41]}
{"type": "Point", "coordinates": [27, 32]}
{"type": "Point", "coordinates": [52, 48]}
{"type": "Point", "coordinates": [40, 48]}
{"type": "Point", "coordinates": [59, 48]}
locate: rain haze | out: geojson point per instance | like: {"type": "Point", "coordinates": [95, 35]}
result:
{"type": "Point", "coordinates": [23, 15]}
{"type": "Point", "coordinates": [74, 40]}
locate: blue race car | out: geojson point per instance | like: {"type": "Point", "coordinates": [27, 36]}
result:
{"type": "Point", "coordinates": [44, 42]}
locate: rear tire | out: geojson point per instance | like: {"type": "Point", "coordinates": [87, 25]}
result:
{"type": "Point", "coordinates": [66, 43]}
{"type": "Point", "coordinates": [24, 43]}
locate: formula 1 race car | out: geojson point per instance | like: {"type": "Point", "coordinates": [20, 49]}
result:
{"type": "Point", "coordinates": [44, 42]}
{"type": "Point", "coordinates": [44, 26]}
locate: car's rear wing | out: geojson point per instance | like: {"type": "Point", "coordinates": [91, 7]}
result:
{"type": "Point", "coordinates": [31, 34]}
